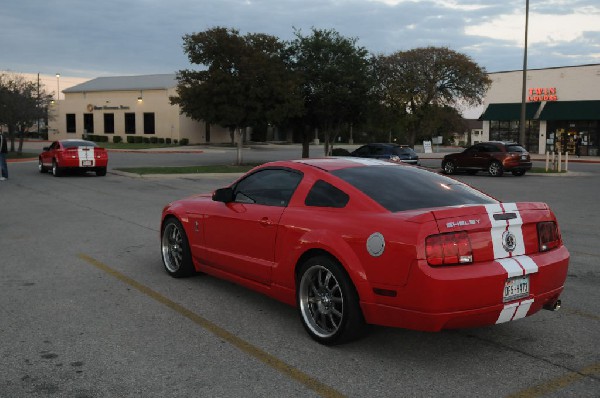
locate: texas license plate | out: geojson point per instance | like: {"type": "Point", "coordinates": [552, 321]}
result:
{"type": "Point", "coordinates": [86, 162]}
{"type": "Point", "coordinates": [524, 157]}
{"type": "Point", "coordinates": [516, 288]}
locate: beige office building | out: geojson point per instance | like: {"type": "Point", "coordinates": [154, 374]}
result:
{"type": "Point", "coordinates": [128, 107]}
{"type": "Point", "coordinates": [562, 105]}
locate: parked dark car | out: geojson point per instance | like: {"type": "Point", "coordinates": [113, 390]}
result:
{"type": "Point", "coordinates": [495, 157]}
{"type": "Point", "coordinates": [393, 152]}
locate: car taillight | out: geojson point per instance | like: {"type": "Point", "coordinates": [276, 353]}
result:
{"type": "Point", "coordinates": [548, 235]}
{"type": "Point", "coordinates": [447, 249]}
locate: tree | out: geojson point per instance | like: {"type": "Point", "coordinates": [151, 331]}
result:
{"type": "Point", "coordinates": [335, 82]}
{"type": "Point", "coordinates": [246, 80]}
{"type": "Point", "coordinates": [420, 82]}
{"type": "Point", "coordinates": [22, 104]}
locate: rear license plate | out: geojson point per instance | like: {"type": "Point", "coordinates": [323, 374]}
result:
{"type": "Point", "coordinates": [523, 157]}
{"type": "Point", "coordinates": [86, 162]}
{"type": "Point", "coordinates": [515, 288]}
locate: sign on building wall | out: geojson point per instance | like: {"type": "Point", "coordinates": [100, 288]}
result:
{"type": "Point", "coordinates": [539, 94]}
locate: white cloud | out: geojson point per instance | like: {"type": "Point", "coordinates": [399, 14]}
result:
{"type": "Point", "coordinates": [543, 28]}
{"type": "Point", "coordinates": [451, 4]}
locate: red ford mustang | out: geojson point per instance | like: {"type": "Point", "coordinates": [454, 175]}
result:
{"type": "Point", "coordinates": [78, 155]}
{"type": "Point", "coordinates": [353, 241]}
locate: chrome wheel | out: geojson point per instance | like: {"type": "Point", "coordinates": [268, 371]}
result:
{"type": "Point", "coordinates": [175, 249]}
{"type": "Point", "coordinates": [321, 301]}
{"type": "Point", "coordinates": [495, 169]}
{"type": "Point", "coordinates": [55, 169]}
{"type": "Point", "coordinates": [41, 167]}
{"type": "Point", "coordinates": [449, 167]}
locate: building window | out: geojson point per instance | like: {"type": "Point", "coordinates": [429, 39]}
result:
{"type": "Point", "coordinates": [109, 123]}
{"type": "Point", "coordinates": [88, 123]}
{"type": "Point", "coordinates": [149, 123]}
{"type": "Point", "coordinates": [71, 127]}
{"type": "Point", "coordinates": [129, 123]}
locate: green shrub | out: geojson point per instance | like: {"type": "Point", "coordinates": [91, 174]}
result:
{"type": "Point", "coordinates": [184, 141]}
{"type": "Point", "coordinates": [117, 139]}
{"type": "Point", "coordinates": [161, 140]}
{"type": "Point", "coordinates": [131, 139]}
{"type": "Point", "coordinates": [146, 140]}
{"type": "Point", "coordinates": [153, 140]}
{"type": "Point", "coordinates": [175, 141]}
{"type": "Point", "coordinates": [168, 140]}
{"type": "Point", "coordinates": [139, 139]}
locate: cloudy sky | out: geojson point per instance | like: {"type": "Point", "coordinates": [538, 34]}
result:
{"type": "Point", "coordinates": [95, 38]}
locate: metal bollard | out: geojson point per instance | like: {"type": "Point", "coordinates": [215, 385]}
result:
{"type": "Point", "coordinates": [566, 161]}
{"type": "Point", "coordinates": [559, 162]}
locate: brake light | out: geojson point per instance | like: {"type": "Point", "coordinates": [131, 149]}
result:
{"type": "Point", "coordinates": [548, 235]}
{"type": "Point", "coordinates": [450, 248]}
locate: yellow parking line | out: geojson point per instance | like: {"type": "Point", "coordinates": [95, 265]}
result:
{"type": "Point", "coordinates": [557, 384]}
{"type": "Point", "coordinates": [255, 352]}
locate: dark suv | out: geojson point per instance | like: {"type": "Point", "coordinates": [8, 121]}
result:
{"type": "Point", "coordinates": [495, 157]}
{"type": "Point", "coordinates": [393, 152]}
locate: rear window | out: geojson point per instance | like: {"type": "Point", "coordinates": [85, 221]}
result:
{"type": "Point", "coordinates": [400, 188]}
{"type": "Point", "coordinates": [515, 148]}
{"type": "Point", "coordinates": [76, 144]}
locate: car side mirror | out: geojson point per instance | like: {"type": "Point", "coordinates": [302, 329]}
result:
{"type": "Point", "coordinates": [224, 195]}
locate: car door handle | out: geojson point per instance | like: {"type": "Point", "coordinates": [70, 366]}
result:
{"type": "Point", "coordinates": [266, 222]}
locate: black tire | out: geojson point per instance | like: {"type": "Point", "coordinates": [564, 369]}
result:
{"type": "Point", "coordinates": [175, 249]}
{"type": "Point", "coordinates": [448, 167]}
{"type": "Point", "coordinates": [41, 168]}
{"type": "Point", "coordinates": [101, 171]}
{"type": "Point", "coordinates": [56, 171]}
{"type": "Point", "coordinates": [495, 169]}
{"type": "Point", "coordinates": [328, 302]}
{"type": "Point", "coordinates": [518, 173]}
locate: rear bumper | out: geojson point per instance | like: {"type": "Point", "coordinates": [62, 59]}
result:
{"type": "Point", "coordinates": [466, 296]}
{"type": "Point", "coordinates": [523, 166]}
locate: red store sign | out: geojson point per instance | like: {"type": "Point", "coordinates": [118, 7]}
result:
{"type": "Point", "coordinates": [539, 94]}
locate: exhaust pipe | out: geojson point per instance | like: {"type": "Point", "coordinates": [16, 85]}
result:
{"type": "Point", "coordinates": [555, 306]}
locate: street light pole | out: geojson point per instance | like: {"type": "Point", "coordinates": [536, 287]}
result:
{"type": "Point", "coordinates": [524, 87]}
{"type": "Point", "coordinates": [57, 86]}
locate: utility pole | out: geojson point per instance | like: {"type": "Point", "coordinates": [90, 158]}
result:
{"type": "Point", "coordinates": [524, 87]}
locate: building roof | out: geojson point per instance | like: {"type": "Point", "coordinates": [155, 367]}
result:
{"type": "Point", "coordinates": [126, 83]}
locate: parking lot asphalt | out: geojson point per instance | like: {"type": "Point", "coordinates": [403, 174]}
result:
{"type": "Point", "coordinates": [86, 309]}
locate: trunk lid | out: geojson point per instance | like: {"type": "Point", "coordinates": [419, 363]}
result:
{"type": "Point", "coordinates": [497, 230]}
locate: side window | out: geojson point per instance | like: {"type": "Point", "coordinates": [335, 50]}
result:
{"type": "Point", "coordinates": [378, 151]}
{"type": "Point", "coordinates": [323, 194]}
{"type": "Point", "coordinates": [269, 187]}
{"type": "Point", "coordinates": [362, 151]}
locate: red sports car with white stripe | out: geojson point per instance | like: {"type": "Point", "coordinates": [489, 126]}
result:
{"type": "Point", "coordinates": [73, 154]}
{"type": "Point", "coordinates": [352, 241]}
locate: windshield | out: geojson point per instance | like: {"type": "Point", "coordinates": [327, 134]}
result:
{"type": "Point", "coordinates": [399, 188]}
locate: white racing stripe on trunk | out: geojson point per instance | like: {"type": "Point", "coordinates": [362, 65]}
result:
{"type": "Point", "coordinates": [514, 311]}
{"type": "Point", "coordinates": [86, 156]}
{"type": "Point", "coordinates": [500, 226]}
